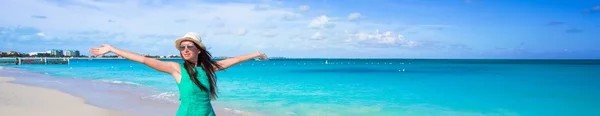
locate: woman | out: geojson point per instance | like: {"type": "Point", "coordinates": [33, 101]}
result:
{"type": "Point", "coordinates": [195, 76]}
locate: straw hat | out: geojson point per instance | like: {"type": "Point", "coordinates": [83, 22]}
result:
{"type": "Point", "coordinates": [191, 36]}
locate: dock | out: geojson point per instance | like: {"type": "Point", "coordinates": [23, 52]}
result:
{"type": "Point", "coordinates": [43, 60]}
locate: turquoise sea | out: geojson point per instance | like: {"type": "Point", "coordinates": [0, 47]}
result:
{"type": "Point", "coordinates": [347, 87]}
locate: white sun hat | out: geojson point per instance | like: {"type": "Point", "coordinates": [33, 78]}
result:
{"type": "Point", "coordinates": [190, 36]}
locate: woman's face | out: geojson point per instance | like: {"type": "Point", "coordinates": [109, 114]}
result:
{"type": "Point", "coordinates": [188, 50]}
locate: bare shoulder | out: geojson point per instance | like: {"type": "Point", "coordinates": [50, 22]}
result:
{"type": "Point", "coordinates": [175, 66]}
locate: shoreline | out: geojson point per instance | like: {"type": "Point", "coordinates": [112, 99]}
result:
{"type": "Point", "coordinates": [112, 96]}
{"type": "Point", "coordinates": [26, 100]}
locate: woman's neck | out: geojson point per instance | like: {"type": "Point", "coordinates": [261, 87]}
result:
{"type": "Point", "coordinates": [194, 62]}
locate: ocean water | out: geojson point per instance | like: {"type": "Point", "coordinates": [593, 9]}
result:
{"type": "Point", "coordinates": [368, 87]}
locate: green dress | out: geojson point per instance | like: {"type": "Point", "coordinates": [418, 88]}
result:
{"type": "Point", "coordinates": [194, 102]}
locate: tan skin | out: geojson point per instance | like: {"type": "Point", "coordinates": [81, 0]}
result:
{"type": "Point", "coordinates": [173, 68]}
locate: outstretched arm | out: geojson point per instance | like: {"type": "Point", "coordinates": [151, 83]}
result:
{"type": "Point", "coordinates": [235, 60]}
{"type": "Point", "coordinates": [166, 67]}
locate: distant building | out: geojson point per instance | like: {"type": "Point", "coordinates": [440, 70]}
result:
{"type": "Point", "coordinates": [169, 56]}
{"type": "Point", "coordinates": [11, 53]}
{"type": "Point", "coordinates": [56, 52]}
{"type": "Point", "coordinates": [72, 53]}
{"type": "Point", "coordinates": [220, 57]}
{"type": "Point", "coordinates": [39, 54]}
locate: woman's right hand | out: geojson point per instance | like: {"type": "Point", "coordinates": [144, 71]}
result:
{"type": "Point", "coordinates": [262, 56]}
{"type": "Point", "coordinates": [105, 48]}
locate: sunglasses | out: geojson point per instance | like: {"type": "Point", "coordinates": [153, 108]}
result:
{"type": "Point", "coordinates": [188, 46]}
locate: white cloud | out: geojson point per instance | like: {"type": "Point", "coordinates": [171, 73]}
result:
{"type": "Point", "coordinates": [227, 31]}
{"type": "Point", "coordinates": [262, 7]}
{"type": "Point", "coordinates": [270, 26]}
{"type": "Point", "coordinates": [350, 31]}
{"type": "Point", "coordinates": [260, 46]}
{"type": "Point", "coordinates": [321, 22]}
{"type": "Point", "coordinates": [44, 36]}
{"type": "Point", "coordinates": [268, 34]}
{"type": "Point", "coordinates": [241, 31]}
{"type": "Point", "coordinates": [40, 34]}
{"type": "Point", "coordinates": [380, 39]}
{"type": "Point", "coordinates": [290, 16]}
{"type": "Point", "coordinates": [303, 8]}
{"type": "Point", "coordinates": [223, 32]}
{"type": "Point", "coordinates": [217, 24]}
{"type": "Point", "coordinates": [354, 16]}
{"type": "Point", "coordinates": [317, 36]}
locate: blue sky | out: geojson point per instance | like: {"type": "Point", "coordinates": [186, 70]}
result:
{"type": "Point", "coordinates": [311, 28]}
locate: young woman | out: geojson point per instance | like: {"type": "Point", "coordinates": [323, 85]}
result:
{"type": "Point", "coordinates": [195, 76]}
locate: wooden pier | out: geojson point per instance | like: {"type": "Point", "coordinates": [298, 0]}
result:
{"type": "Point", "coordinates": [21, 61]}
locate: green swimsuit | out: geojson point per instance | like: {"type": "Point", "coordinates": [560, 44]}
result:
{"type": "Point", "coordinates": [194, 102]}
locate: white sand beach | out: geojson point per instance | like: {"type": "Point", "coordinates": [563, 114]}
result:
{"type": "Point", "coordinates": [26, 100]}
{"type": "Point", "coordinates": [23, 100]}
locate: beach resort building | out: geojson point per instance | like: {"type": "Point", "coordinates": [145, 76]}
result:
{"type": "Point", "coordinates": [55, 52]}
{"type": "Point", "coordinates": [74, 53]}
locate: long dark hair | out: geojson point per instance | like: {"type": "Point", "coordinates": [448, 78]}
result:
{"type": "Point", "coordinates": [204, 60]}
